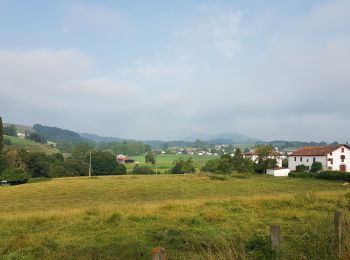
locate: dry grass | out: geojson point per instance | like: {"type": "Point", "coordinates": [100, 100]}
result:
{"type": "Point", "coordinates": [191, 216]}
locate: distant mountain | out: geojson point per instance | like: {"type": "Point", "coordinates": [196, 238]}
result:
{"type": "Point", "coordinates": [97, 138]}
{"type": "Point", "coordinates": [223, 138]}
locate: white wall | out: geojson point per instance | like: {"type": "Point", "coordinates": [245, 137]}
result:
{"type": "Point", "coordinates": [337, 160]}
{"type": "Point", "coordinates": [278, 172]}
{"type": "Point", "coordinates": [306, 160]}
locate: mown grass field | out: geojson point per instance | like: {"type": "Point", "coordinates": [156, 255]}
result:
{"type": "Point", "coordinates": [165, 162]}
{"type": "Point", "coordinates": [28, 145]}
{"type": "Point", "coordinates": [192, 216]}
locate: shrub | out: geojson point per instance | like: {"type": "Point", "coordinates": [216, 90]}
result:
{"type": "Point", "coordinates": [301, 168]}
{"type": "Point", "coordinates": [183, 166]}
{"type": "Point", "coordinates": [120, 169]}
{"type": "Point", "coordinates": [301, 175]}
{"type": "Point", "coordinates": [259, 247]}
{"type": "Point", "coordinates": [316, 167]}
{"type": "Point", "coordinates": [142, 170]}
{"type": "Point", "coordinates": [329, 175]}
{"type": "Point", "coordinates": [15, 175]}
{"type": "Point", "coordinates": [7, 141]}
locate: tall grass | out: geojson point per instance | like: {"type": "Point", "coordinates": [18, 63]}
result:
{"type": "Point", "coordinates": [192, 216]}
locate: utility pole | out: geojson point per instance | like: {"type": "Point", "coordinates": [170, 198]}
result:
{"type": "Point", "coordinates": [90, 167]}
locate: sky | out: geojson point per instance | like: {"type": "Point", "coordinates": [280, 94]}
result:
{"type": "Point", "coordinates": [167, 69]}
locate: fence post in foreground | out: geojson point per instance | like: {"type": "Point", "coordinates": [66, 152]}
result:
{"type": "Point", "coordinates": [275, 235]}
{"type": "Point", "coordinates": [159, 253]}
{"type": "Point", "coordinates": [338, 228]}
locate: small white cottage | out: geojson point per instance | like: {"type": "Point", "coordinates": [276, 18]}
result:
{"type": "Point", "coordinates": [278, 172]}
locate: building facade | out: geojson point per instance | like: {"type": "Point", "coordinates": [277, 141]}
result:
{"type": "Point", "coordinates": [332, 158]}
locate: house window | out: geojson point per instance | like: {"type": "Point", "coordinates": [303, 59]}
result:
{"type": "Point", "coordinates": [342, 149]}
{"type": "Point", "coordinates": [301, 159]}
{"type": "Point", "coordinates": [307, 160]}
{"type": "Point", "coordinates": [331, 154]}
{"type": "Point", "coordinates": [295, 159]}
{"type": "Point", "coordinates": [314, 159]}
{"type": "Point", "coordinates": [330, 161]}
{"type": "Point", "coordinates": [342, 157]}
{"type": "Point", "coordinates": [330, 168]}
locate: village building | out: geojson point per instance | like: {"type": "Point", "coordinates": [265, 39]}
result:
{"type": "Point", "coordinates": [332, 158]}
{"type": "Point", "coordinates": [253, 155]}
{"type": "Point", "coordinates": [278, 172]}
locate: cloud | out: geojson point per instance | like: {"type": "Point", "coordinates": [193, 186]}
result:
{"type": "Point", "coordinates": [88, 17]}
{"type": "Point", "coordinates": [217, 32]}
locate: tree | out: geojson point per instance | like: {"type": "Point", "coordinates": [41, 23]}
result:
{"type": "Point", "coordinates": [15, 175]}
{"type": "Point", "coordinates": [1, 136]}
{"type": "Point", "coordinates": [80, 151]}
{"type": "Point", "coordinates": [316, 167]}
{"type": "Point", "coordinates": [183, 166]}
{"type": "Point", "coordinates": [36, 137]}
{"type": "Point", "coordinates": [264, 160]}
{"type": "Point", "coordinates": [150, 158]}
{"type": "Point", "coordinates": [103, 163]}
{"type": "Point", "coordinates": [3, 162]}
{"type": "Point", "coordinates": [10, 130]}
{"type": "Point", "coordinates": [121, 169]}
{"type": "Point", "coordinates": [301, 168]}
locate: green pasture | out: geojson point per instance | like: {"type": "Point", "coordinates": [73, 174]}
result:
{"type": "Point", "coordinates": [165, 162]}
{"type": "Point", "coordinates": [192, 216]}
{"type": "Point", "coordinates": [29, 145]}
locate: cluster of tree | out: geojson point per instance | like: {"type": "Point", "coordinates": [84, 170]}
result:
{"type": "Point", "coordinates": [10, 130]}
{"type": "Point", "coordinates": [227, 164]}
{"type": "Point", "coordinates": [296, 144]}
{"type": "Point", "coordinates": [56, 134]}
{"type": "Point", "coordinates": [130, 148]}
{"type": "Point", "coordinates": [35, 137]}
{"type": "Point", "coordinates": [181, 166]}
{"type": "Point", "coordinates": [238, 163]}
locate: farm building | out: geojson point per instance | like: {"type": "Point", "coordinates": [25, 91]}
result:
{"type": "Point", "coordinates": [332, 158]}
{"type": "Point", "coordinates": [253, 155]}
{"type": "Point", "coordinates": [278, 172]}
{"type": "Point", "coordinates": [122, 159]}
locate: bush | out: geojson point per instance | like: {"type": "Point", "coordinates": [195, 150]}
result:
{"type": "Point", "coordinates": [120, 169]}
{"type": "Point", "coordinates": [332, 175]}
{"type": "Point", "coordinates": [316, 167]}
{"type": "Point", "coordinates": [15, 175]}
{"type": "Point", "coordinates": [301, 168]}
{"type": "Point", "coordinates": [301, 175]}
{"type": "Point", "coordinates": [7, 141]}
{"type": "Point", "coordinates": [183, 166]}
{"type": "Point", "coordinates": [142, 170]}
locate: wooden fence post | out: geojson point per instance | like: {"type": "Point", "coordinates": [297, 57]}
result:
{"type": "Point", "coordinates": [275, 234]}
{"type": "Point", "coordinates": [159, 253]}
{"type": "Point", "coordinates": [338, 228]}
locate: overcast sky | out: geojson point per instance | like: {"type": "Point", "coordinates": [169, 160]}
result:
{"type": "Point", "coordinates": [165, 69]}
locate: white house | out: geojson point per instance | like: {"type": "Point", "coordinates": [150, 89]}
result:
{"type": "Point", "coordinates": [333, 158]}
{"type": "Point", "coordinates": [253, 155]}
{"type": "Point", "coordinates": [279, 172]}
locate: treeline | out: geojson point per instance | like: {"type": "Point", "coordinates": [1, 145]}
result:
{"type": "Point", "coordinates": [238, 163]}
{"type": "Point", "coordinates": [23, 165]}
{"type": "Point", "coordinates": [280, 144]}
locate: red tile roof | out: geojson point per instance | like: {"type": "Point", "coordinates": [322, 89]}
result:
{"type": "Point", "coordinates": [253, 152]}
{"type": "Point", "coordinates": [317, 150]}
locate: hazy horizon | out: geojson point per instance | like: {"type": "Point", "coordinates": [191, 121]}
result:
{"type": "Point", "coordinates": [160, 70]}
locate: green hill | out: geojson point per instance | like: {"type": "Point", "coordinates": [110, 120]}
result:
{"type": "Point", "coordinates": [28, 145]}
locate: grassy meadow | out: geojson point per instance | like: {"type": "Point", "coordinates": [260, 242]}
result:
{"type": "Point", "coordinates": [29, 145]}
{"type": "Point", "coordinates": [192, 216]}
{"type": "Point", "coordinates": [165, 162]}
